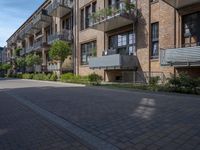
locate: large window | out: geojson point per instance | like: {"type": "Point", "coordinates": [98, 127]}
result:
{"type": "Point", "coordinates": [155, 40]}
{"type": "Point", "coordinates": [191, 29]}
{"type": "Point", "coordinates": [123, 43]}
{"type": "Point", "coordinates": [87, 50]}
{"type": "Point", "coordinates": [67, 24]}
{"type": "Point", "coordinates": [85, 15]}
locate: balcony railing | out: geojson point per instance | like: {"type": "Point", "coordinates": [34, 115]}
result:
{"type": "Point", "coordinates": [29, 49]}
{"type": "Point", "coordinates": [65, 35]}
{"type": "Point", "coordinates": [111, 60]}
{"type": "Point", "coordinates": [181, 3]}
{"type": "Point", "coordinates": [22, 52]}
{"type": "Point", "coordinates": [42, 20]}
{"type": "Point", "coordinates": [59, 8]}
{"type": "Point", "coordinates": [53, 67]}
{"type": "Point", "coordinates": [185, 56]}
{"type": "Point", "coordinates": [115, 16]}
{"type": "Point", "coordinates": [38, 44]}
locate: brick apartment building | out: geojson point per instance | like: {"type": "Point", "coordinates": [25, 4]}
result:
{"type": "Point", "coordinates": [123, 40]}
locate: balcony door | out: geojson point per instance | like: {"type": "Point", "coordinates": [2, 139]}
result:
{"type": "Point", "coordinates": [191, 30]}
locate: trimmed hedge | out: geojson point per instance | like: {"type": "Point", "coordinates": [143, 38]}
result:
{"type": "Point", "coordinates": [71, 78]}
{"type": "Point", "coordinates": [38, 76]}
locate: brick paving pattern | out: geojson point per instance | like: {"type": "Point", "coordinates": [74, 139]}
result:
{"type": "Point", "coordinates": [128, 120]}
{"type": "Point", "coordinates": [21, 129]}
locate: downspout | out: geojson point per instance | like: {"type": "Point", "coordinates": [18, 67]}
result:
{"type": "Point", "coordinates": [175, 34]}
{"type": "Point", "coordinates": [135, 32]}
{"type": "Point", "coordinates": [104, 73]}
{"type": "Point", "coordinates": [150, 45]}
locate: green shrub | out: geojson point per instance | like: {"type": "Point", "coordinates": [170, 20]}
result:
{"type": "Point", "coordinates": [71, 78]}
{"type": "Point", "coordinates": [53, 77]}
{"type": "Point", "coordinates": [154, 80]}
{"type": "Point", "coordinates": [184, 84]}
{"type": "Point", "coordinates": [39, 76]}
{"type": "Point", "coordinates": [67, 77]}
{"type": "Point", "coordinates": [95, 79]}
{"type": "Point", "coordinates": [27, 76]}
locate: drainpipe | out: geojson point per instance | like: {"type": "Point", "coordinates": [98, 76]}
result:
{"type": "Point", "coordinates": [75, 37]}
{"type": "Point", "coordinates": [150, 46]}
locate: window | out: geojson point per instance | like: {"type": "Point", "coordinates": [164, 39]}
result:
{"type": "Point", "coordinates": [123, 43]}
{"type": "Point", "coordinates": [82, 19]}
{"type": "Point", "coordinates": [191, 30]}
{"type": "Point", "coordinates": [66, 24]}
{"type": "Point", "coordinates": [87, 50]}
{"type": "Point", "coordinates": [85, 15]}
{"type": "Point", "coordinates": [154, 40]}
{"type": "Point", "coordinates": [154, 1]}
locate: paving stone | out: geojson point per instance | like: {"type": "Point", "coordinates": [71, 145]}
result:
{"type": "Point", "coordinates": [122, 118]}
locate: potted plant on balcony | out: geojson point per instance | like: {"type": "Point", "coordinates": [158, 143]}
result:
{"type": "Point", "coordinates": [108, 12]}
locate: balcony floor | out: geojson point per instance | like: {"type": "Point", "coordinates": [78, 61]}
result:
{"type": "Point", "coordinates": [181, 3]}
{"type": "Point", "coordinates": [60, 11]}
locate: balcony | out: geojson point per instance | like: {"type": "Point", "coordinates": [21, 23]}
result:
{"type": "Point", "coordinates": [181, 3]}
{"type": "Point", "coordinates": [29, 49]}
{"type": "Point", "coordinates": [22, 52]}
{"type": "Point", "coordinates": [59, 8]}
{"type": "Point", "coordinates": [113, 17]}
{"type": "Point", "coordinates": [39, 44]}
{"type": "Point", "coordinates": [180, 57]}
{"type": "Point", "coordinates": [114, 61]}
{"type": "Point", "coordinates": [41, 20]}
{"type": "Point", "coordinates": [29, 29]}
{"type": "Point", "coordinates": [65, 35]}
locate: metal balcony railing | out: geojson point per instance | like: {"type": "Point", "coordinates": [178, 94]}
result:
{"type": "Point", "coordinates": [59, 7]}
{"type": "Point", "coordinates": [22, 52]}
{"type": "Point", "coordinates": [41, 20]}
{"type": "Point", "coordinates": [65, 35]}
{"type": "Point", "coordinates": [38, 44]}
{"type": "Point", "coordinates": [29, 49]}
{"type": "Point", "coordinates": [186, 55]}
{"type": "Point", "coordinates": [111, 60]}
{"type": "Point", "coordinates": [114, 16]}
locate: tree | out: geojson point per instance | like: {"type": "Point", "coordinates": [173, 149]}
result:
{"type": "Point", "coordinates": [5, 67]}
{"type": "Point", "coordinates": [59, 51]}
{"type": "Point", "coordinates": [21, 62]}
{"type": "Point", "coordinates": [32, 59]}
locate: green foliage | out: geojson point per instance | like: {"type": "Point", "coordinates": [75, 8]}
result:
{"type": "Point", "coordinates": [39, 76]}
{"type": "Point", "coordinates": [53, 77]}
{"type": "Point", "coordinates": [21, 62]}
{"type": "Point", "coordinates": [71, 78]}
{"type": "Point", "coordinates": [95, 79]}
{"type": "Point", "coordinates": [32, 59]}
{"type": "Point", "coordinates": [154, 80]}
{"type": "Point", "coordinates": [60, 50]}
{"type": "Point", "coordinates": [6, 66]}
{"type": "Point", "coordinates": [27, 76]}
{"type": "Point", "coordinates": [104, 13]}
{"type": "Point", "coordinates": [17, 51]}
{"type": "Point", "coordinates": [184, 83]}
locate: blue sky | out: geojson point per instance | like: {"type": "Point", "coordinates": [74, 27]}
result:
{"type": "Point", "coordinates": [12, 14]}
